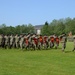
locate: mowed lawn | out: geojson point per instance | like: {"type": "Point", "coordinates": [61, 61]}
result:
{"type": "Point", "coordinates": [41, 62]}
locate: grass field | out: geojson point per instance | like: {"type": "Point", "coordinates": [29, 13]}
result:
{"type": "Point", "coordinates": [43, 62]}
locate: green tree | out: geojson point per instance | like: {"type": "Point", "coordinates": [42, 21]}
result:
{"type": "Point", "coordinates": [45, 29]}
{"type": "Point", "coordinates": [30, 28]}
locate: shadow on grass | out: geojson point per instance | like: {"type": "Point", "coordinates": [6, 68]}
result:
{"type": "Point", "coordinates": [68, 51]}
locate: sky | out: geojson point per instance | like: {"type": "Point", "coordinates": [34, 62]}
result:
{"type": "Point", "coordinates": [35, 12]}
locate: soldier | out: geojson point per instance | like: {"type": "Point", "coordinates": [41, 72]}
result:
{"type": "Point", "coordinates": [63, 41]}
{"type": "Point", "coordinates": [29, 36]}
{"type": "Point", "coordinates": [6, 41]}
{"type": "Point", "coordinates": [35, 42]}
{"type": "Point", "coordinates": [0, 40]}
{"type": "Point", "coordinates": [21, 41]}
{"type": "Point", "coordinates": [17, 41]}
{"type": "Point", "coordinates": [40, 42]}
{"type": "Point", "coordinates": [3, 41]}
{"type": "Point", "coordinates": [26, 42]}
{"type": "Point", "coordinates": [74, 43]}
{"type": "Point", "coordinates": [51, 43]}
{"type": "Point", "coordinates": [45, 42]}
{"type": "Point", "coordinates": [14, 43]}
{"type": "Point", "coordinates": [11, 41]}
{"type": "Point", "coordinates": [56, 42]}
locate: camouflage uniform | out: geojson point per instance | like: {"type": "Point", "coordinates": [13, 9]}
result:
{"type": "Point", "coordinates": [11, 41]}
{"type": "Point", "coordinates": [33, 42]}
{"type": "Point", "coordinates": [29, 37]}
{"type": "Point", "coordinates": [45, 42]}
{"type": "Point", "coordinates": [36, 41]}
{"type": "Point", "coordinates": [74, 43]}
{"type": "Point", "coordinates": [51, 41]}
{"type": "Point", "coordinates": [6, 41]}
{"type": "Point", "coordinates": [17, 41]}
{"type": "Point", "coordinates": [56, 42]}
{"type": "Point", "coordinates": [14, 43]}
{"type": "Point", "coordinates": [64, 40]}
{"type": "Point", "coordinates": [40, 42]}
{"type": "Point", "coordinates": [0, 40]}
{"type": "Point", "coordinates": [22, 42]}
{"type": "Point", "coordinates": [3, 41]}
{"type": "Point", "coordinates": [26, 42]}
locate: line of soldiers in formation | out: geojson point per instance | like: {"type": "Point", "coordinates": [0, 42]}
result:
{"type": "Point", "coordinates": [32, 41]}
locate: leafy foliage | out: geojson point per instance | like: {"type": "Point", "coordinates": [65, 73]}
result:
{"type": "Point", "coordinates": [59, 26]}
{"type": "Point", "coordinates": [55, 27]}
{"type": "Point", "coordinates": [16, 30]}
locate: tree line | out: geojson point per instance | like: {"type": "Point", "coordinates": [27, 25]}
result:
{"type": "Point", "coordinates": [55, 27]}
{"type": "Point", "coordinates": [59, 27]}
{"type": "Point", "coordinates": [19, 29]}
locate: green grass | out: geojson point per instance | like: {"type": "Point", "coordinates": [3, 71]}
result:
{"type": "Point", "coordinates": [44, 62]}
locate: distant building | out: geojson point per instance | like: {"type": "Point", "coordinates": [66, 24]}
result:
{"type": "Point", "coordinates": [38, 29]}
